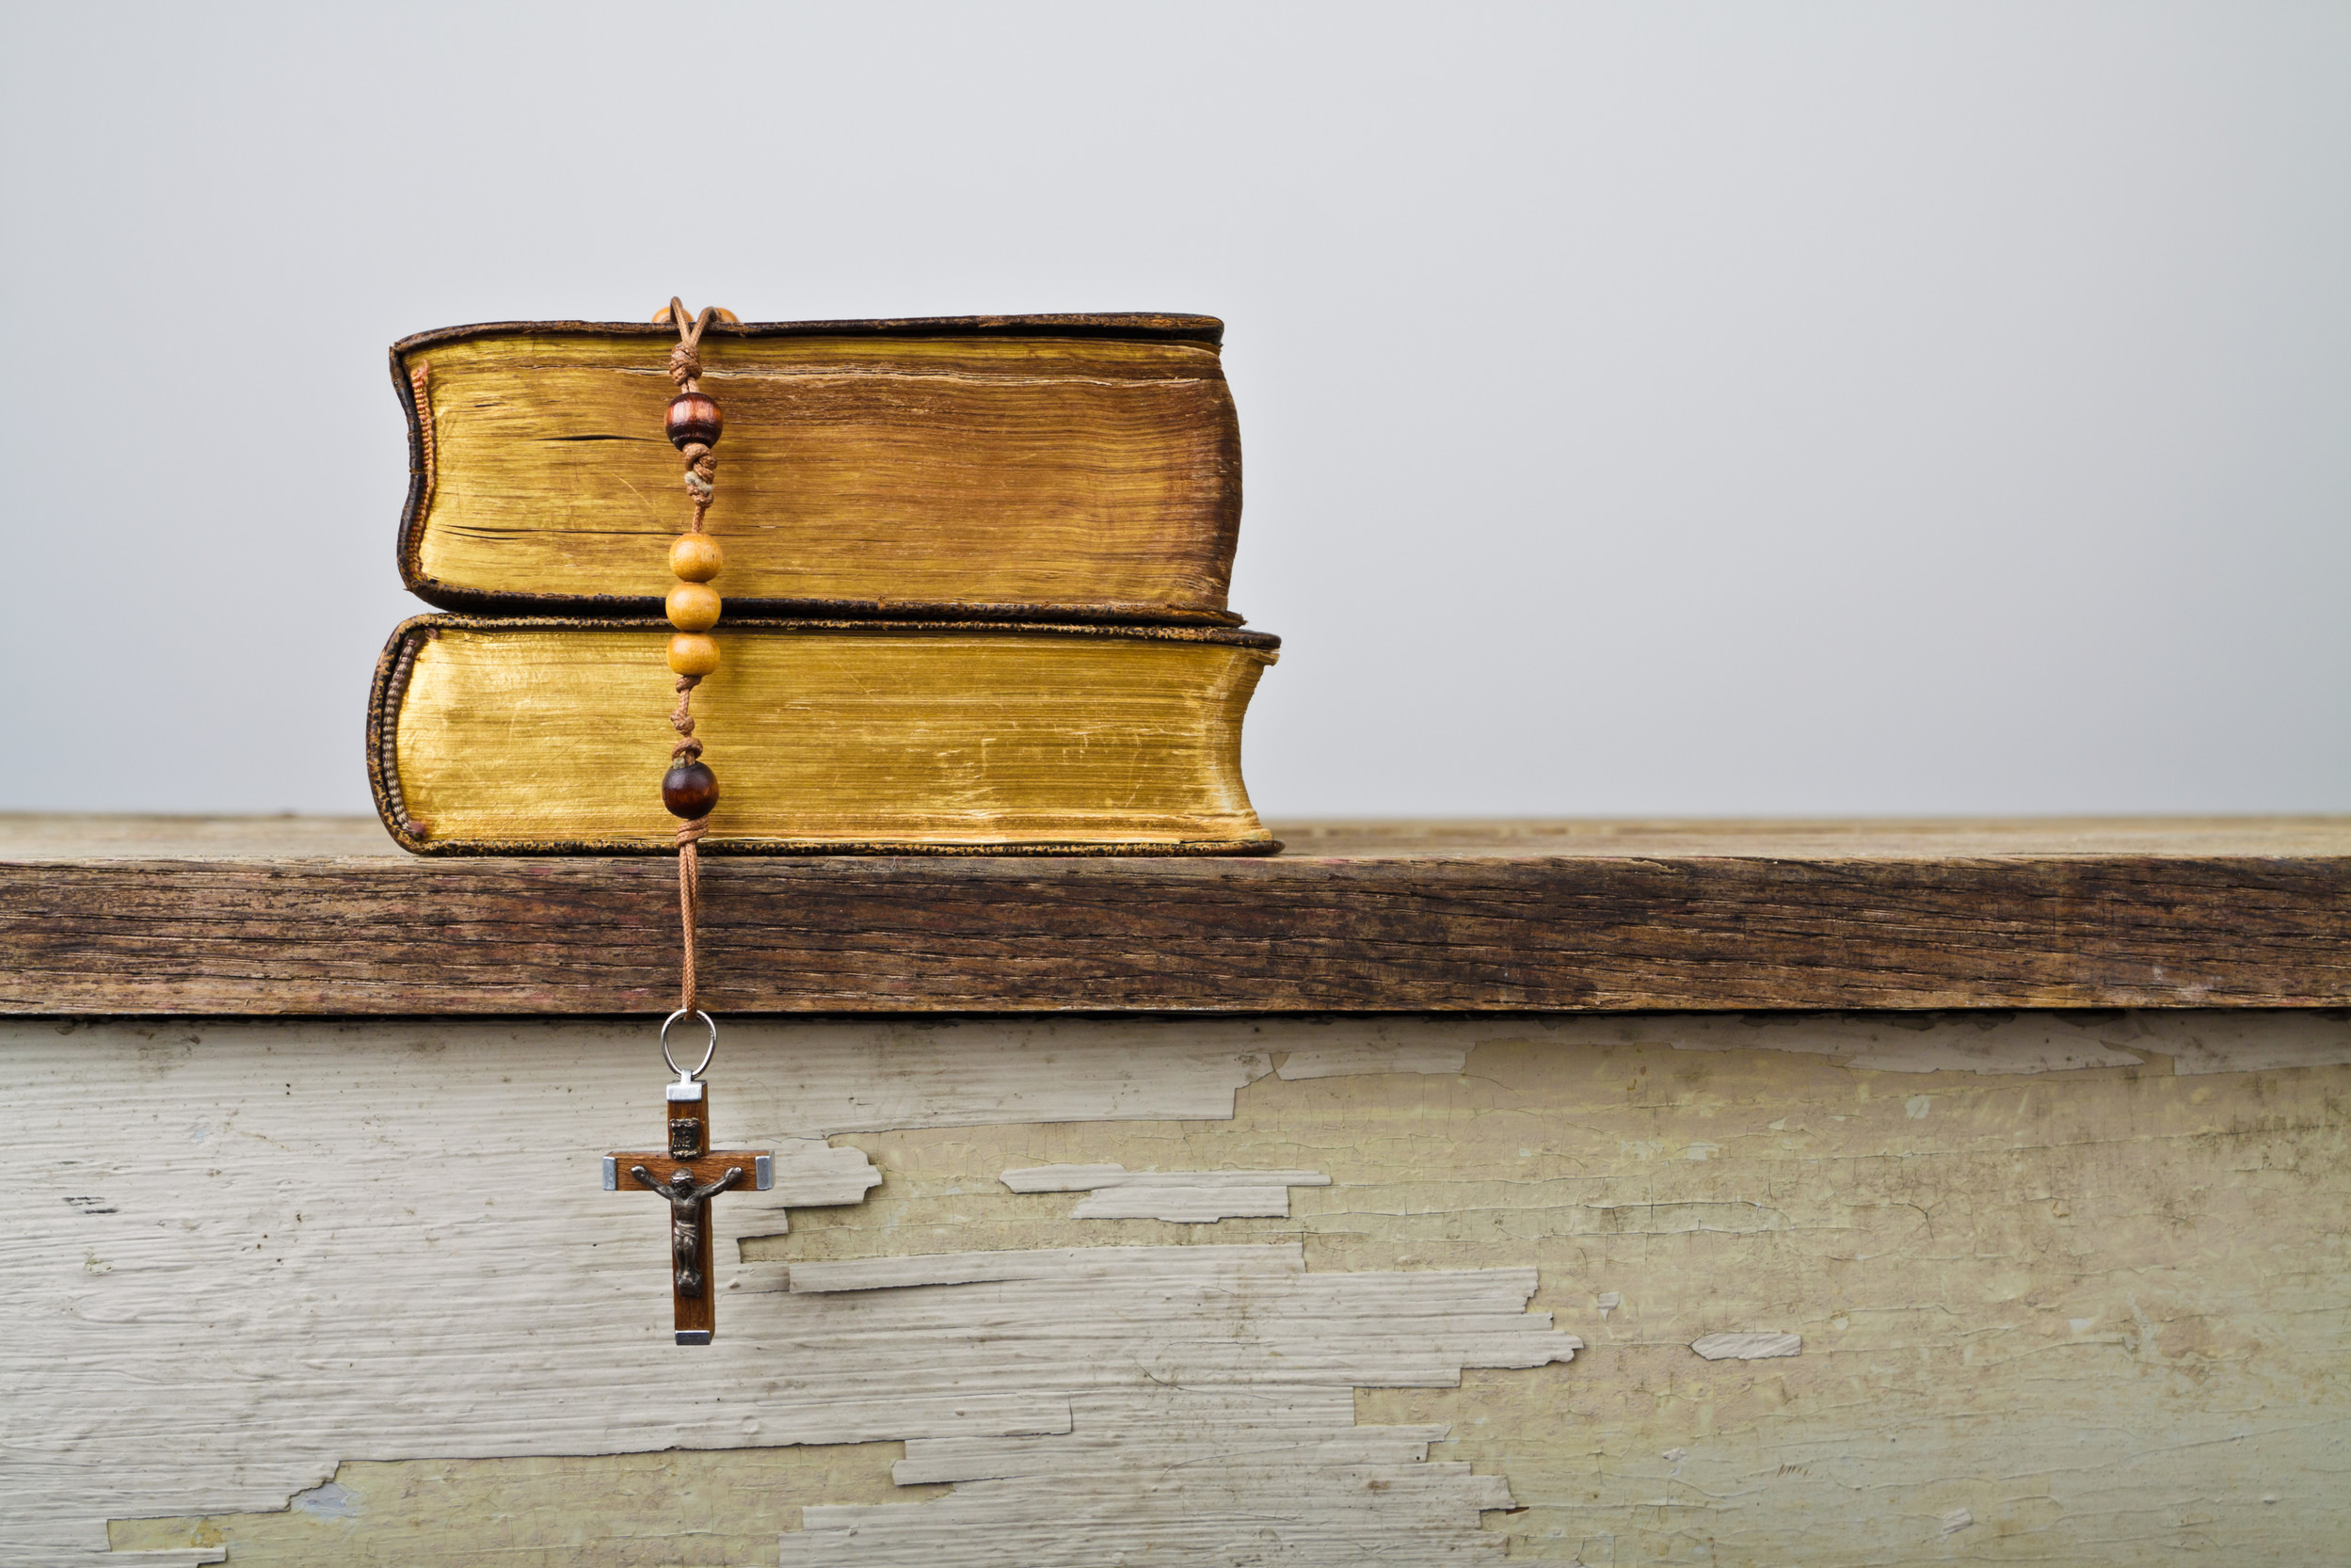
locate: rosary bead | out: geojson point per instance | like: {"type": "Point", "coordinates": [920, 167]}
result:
{"type": "Point", "coordinates": [696, 558]}
{"type": "Point", "coordinates": [690, 790]}
{"type": "Point", "coordinates": [694, 607]}
{"type": "Point", "coordinates": [694, 417]}
{"type": "Point", "coordinates": [663, 318]}
{"type": "Point", "coordinates": [692, 653]}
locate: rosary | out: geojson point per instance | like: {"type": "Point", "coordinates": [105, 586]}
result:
{"type": "Point", "coordinates": [689, 1172]}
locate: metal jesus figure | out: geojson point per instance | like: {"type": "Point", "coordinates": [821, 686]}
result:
{"type": "Point", "coordinates": [689, 1172]}
{"type": "Point", "coordinates": [686, 1202]}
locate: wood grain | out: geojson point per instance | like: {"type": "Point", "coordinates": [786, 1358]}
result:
{"type": "Point", "coordinates": [1805, 916]}
{"type": "Point", "coordinates": [2076, 1277]}
{"type": "Point", "coordinates": [660, 1165]}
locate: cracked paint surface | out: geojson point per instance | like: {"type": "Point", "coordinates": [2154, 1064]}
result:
{"type": "Point", "coordinates": [2074, 1314]}
{"type": "Point", "coordinates": [1197, 1196]}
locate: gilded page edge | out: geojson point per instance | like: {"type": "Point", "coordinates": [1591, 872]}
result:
{"type": "Point", "coordinates": [390, 688]}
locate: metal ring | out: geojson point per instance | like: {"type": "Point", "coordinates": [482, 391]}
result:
{"type": "Point", "coordinates": [708, 1022]}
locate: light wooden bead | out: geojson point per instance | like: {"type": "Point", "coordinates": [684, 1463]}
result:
{"type": "Point", "coordinates": [694, 607]}
{"type": "Point", "coordinates": [696, 558]}
{"type": "Point", "coordinates": [692, 653]}
{"type": "Point", "coordinates": [661, 318]}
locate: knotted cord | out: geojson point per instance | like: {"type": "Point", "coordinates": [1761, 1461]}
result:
{"type": "Point", "coordinates": [685, 371]}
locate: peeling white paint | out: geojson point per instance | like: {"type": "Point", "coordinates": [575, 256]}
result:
{"type": "Point", "coordinates": [1234, 1441]}
{"type": "Point", "coordinates": [1184, 1197]}
{"type": "Point", "coordinates": [393, 1243]}
{"type": "Point", "coordinates": [989, 1268]}
{"type": "Point", "coordinates": [1414, 1056]}
{"type": "Point", "coordinates": [1957, 1520]}
{"type": "Point", "coordinates": [388, 1241]}
{"type": "Point", "coordinates": [2199, 1043]}
{"type": "Point", "coordinates": [1268, 1475]}
{"type": "Point", "coordinates": [2195, 1041]}
{"type": "Point", "coordinates": [2024, 1042]}
{"type": "Point", "coordinates": [1216, 1314]}
{"type": "Point", "coordinates": [811, 1173]}
{"type": "Point", "coordinates": [330, 1501]}
{"type": "Point", "coordinates": [1747, 1347]}
{"type": "Point", "coordinates": [1064, 1178]}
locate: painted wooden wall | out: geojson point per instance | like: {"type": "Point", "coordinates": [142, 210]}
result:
{"type": "Point", "coordinates": [1879, 1289]}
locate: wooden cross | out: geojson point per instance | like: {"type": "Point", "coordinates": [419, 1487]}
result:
{"type": "Point", "coordinates": [704, 1172]}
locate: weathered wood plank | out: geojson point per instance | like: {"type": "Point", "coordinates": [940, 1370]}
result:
{"type": "Point", "coordinates": [2022, 1288]}
{"type": "Point", "coordinates": [1498, 917]}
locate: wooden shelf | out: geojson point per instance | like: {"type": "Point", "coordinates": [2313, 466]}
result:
{"type": "Point", "coordinates": [285, 915]}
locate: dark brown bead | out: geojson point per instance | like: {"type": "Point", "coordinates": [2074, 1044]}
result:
{"type": "Point", "coordinates": [690, 790]}
{"type": "Point", "coordinates": [694, 418]}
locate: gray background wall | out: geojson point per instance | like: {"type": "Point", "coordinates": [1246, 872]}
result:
{"type": "Point", "coordinates": [1787, 408]}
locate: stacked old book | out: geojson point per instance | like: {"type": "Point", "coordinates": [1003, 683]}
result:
{"type": "Point", "coordinates": [974, 582]}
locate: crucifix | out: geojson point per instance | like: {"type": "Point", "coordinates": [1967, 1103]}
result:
{"type": "Point", "coordinates": [689, 1173]}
